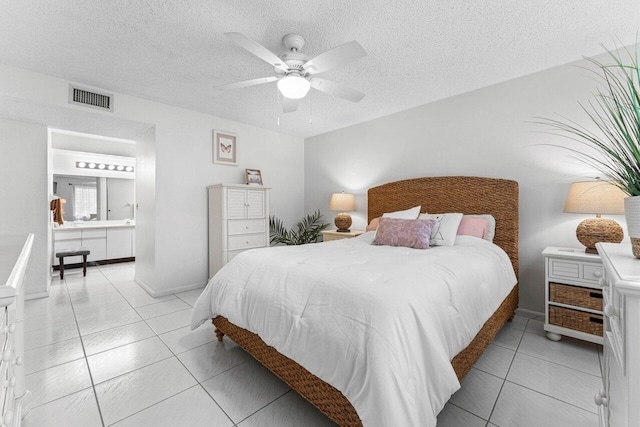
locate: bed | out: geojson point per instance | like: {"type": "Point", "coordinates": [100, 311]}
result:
{"type": "Point", "coordinates": [469, 195]}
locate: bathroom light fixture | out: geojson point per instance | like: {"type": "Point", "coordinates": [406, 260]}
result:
{"type": "Point", "coordinates": [294, 86]}
{"type": "Point", "coordinates": [103, 166]}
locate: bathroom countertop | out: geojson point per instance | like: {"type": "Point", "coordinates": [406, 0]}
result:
{"type": "Point", "coordinates": [69, 226]}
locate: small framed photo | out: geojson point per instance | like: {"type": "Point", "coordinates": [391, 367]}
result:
{"type": "Point", "coordinates": [225, 148]}
{"type": "Point", "coordinates": [254, 176]}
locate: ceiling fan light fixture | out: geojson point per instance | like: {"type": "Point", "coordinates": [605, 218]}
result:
{"type": "Point", "coordinates": [294, 87]}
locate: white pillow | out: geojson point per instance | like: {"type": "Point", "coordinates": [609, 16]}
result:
{"type": "Point", "coordinates": [445, 229]}
{"type": "Point", "coordinates": [408, 214]}
{"type": "Point", "coordinates": [491, 230]}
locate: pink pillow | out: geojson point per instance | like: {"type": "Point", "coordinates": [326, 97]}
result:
{"type": "Point", "coordinates": [410, 233]}
{"type": "Point", "coordinates": [373, 225]}
{"type": "Point", "coordinates": [471, 226]}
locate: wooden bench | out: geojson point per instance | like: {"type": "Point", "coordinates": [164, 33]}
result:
{"type": "Point", "coordinates": [73, 252]}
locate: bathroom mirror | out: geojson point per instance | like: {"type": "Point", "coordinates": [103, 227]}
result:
{"type": "Point", "coordinates": [95, 198]}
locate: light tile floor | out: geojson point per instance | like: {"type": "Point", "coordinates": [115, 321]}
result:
{"type": "Point", "coordinates": [100, 352]}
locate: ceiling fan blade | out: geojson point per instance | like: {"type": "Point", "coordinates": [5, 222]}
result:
{"type": "Point", "coordinates": [258, 50]}
{"type": "Point", "coordinates": [289, 105]}
{"type": "Point", "coordinates": [335, 57]}
{"type": "Point", "coordinates": [247, 83]}
{"type": "Point", "coordinates": [336, 89]}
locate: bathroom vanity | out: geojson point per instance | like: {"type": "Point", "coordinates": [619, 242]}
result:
{"type": "Point", "coordinates": [107, 240]}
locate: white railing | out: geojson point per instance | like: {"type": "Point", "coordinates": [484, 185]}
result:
{"type": "Point", "coordinates": [12, 300]}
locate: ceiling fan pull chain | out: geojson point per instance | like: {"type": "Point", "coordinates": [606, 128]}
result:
{"type": "Point", "coordinates": [310, 110]}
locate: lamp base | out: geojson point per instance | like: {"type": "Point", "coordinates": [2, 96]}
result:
{"type": "Point", "coordinates": [594, 230]}
{"type": "Point", "coordinates": [343, 222]}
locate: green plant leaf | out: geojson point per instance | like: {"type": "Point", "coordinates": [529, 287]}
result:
{"type": "Point", "coordinates": [308, 230]}
{"type": "Point", "coordinates": [613, 149]}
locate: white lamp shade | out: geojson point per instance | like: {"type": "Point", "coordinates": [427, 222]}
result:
{"type": "Point", "coordinates": [342, 202]}
{"type": "Point", "coordinates": [595, 197]}
{"type": "Point", "coordinates": [294, 87]}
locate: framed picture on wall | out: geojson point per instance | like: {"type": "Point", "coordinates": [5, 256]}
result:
{"type": "Point", "coordinates": [225, 148]}
{"type": "Point", "coordinates": [254, 176]}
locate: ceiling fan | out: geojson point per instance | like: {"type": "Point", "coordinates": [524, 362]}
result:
{"type": "Point", "coordinates": [296, 73]}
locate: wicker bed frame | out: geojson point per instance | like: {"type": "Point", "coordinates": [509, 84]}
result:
{"type": "Point", "coordinates": [469, 195]}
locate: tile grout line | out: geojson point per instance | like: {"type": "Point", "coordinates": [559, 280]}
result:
{"type": "Point", "coordinates": [555, 363]}
{"type": "Point", "coordinates": [465, 410]}
{"type": "Point", "coordinates": [551, 397]}
{"type": "Point", "coordinates": [260, 409]}
{"type": "Point", "coordinates": [504, 380]}
{"type": "Point", "coordinates": [86, 361]}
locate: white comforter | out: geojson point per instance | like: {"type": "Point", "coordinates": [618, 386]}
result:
{"type": "Point", "coordinates": [379, 323]}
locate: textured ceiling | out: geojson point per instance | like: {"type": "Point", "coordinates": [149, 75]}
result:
{"type": "Point", "coordinates": [418, 51]}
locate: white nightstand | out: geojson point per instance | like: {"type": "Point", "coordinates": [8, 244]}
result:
{"type": "Point", "coordinates": [573, 294]}
{"type": "Point", "coordinates": [330, 235]}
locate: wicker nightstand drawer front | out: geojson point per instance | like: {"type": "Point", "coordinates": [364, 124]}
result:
{"type": "Point", "coordinates": [576, 295]}
{"type": "Point", "coordinates": [577, 320]}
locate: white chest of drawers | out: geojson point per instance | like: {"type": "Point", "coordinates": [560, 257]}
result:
{"type": "Point", "coordinates": [238, 220]}
{"type": "Point", "coordinates": [618, 400]}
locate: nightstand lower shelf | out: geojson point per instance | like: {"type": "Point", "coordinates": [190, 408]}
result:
{"type": "Point", "coordinates": [573, 295]}
{"type": "Point", "coordinates": [555, 333]}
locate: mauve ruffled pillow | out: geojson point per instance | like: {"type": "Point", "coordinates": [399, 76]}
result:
{"type": "Point", "coordinates": [410, 233]}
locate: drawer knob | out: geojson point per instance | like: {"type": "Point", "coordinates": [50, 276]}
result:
{"type": "Point", "coordinates": [600, 398]}
{"type": "Point", "coordinates": [12, 382]}
{"type": "Point", "coordinates": [17, 361]}
{"type": "Point", "coordinates": [602, 282]}
{"type": "Point", "coordinates": [246, 227]}
{"type": "Point", "coordinates": [611, 311]}
{"type": "Point", "coordinates": [6, 355]}
{"type": "Point", "coordinates": [597, 273]}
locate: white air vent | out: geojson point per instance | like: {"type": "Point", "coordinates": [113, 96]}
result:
{"type": "Point", "coordinates": [89, 98]}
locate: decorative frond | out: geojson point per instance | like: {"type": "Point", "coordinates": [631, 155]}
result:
{"type": "Point", "coordinates": [613, 148]}
{"type": "Point", "coordinates": [306, 231]}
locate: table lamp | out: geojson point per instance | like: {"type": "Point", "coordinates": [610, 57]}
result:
{"type": "Point", "coordinates": [342, 202]}
{"type": "Point", "coordinates": [596, 197]}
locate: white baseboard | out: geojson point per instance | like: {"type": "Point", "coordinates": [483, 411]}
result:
{"type": "Point", "coordinates": [169, 291]}
{"type": "Point", "coordinates": [529, 313]}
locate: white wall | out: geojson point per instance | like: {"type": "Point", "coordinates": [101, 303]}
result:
{"type": "Point", "coordinates": [487, 132]}
{"type": "Point", "coordinates": [171, 187]}
{"type": "Point", "coordinates": [23, 190]}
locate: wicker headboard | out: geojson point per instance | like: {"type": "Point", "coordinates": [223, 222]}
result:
{"type": "Point", "coordinates": [466, 194]}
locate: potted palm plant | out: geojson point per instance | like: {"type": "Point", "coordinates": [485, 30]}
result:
{"type": "Point", "coordinates": [613, 146]}
{"type": "Point", "coordinates": [306, 231]}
